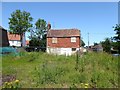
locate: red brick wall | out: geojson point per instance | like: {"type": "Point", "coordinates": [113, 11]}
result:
{"type": "Point", "coordinates": [64, 43]}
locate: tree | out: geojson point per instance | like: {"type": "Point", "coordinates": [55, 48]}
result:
{"type": "Point", "coordinates": [34, 42]}
{"type": "Point", "coordinates": [39, 34]}
{"type": "Point", "coordinates": [117, 37]}
{"type": "Point", "coordinates": [106, 45]}
{"type": "Point", "coordinates": [95, 44]}
{"type": "Point", "coordinates": [82, 43]}
{"type": "Point", "coordinates": [40, 27]}
{"type": "Point", "coordinates": [117, 29]}
{"type": "Point", "coordinates": [20, 22]}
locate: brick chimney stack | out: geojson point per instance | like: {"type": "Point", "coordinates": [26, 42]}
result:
{"type": "Point", "coordinates": [49, 26]}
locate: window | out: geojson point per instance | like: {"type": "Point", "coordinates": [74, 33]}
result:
{"type": "Point", "coordinates": [12, 41]}
{"type": "Point", "coordinates": [18, 42]}
{"type": "Point", "coordinates": [54, 40]}
{"type": "Point", "coordinates": [73, 49]}
{"type": "Point", "coordinates": [73, 39]}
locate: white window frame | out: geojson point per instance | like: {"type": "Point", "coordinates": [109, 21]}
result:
{"type": "Point", "coordinates": [54, 40]}
{"type": "Point", "coordinates": [73, 39]}
{"type": "Point", "coordinates": [12, 41]}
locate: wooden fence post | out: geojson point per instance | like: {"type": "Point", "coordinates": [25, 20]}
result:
{"type": "Point", "coordinates": [77, 59]}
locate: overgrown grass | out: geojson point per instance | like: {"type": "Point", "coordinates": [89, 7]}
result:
{"type": "Point", "coordinates": [39, 70]}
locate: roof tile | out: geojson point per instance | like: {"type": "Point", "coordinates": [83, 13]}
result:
{"type": "Point", "coordinates": [63, 33]}
{"type": "Point", "coordinates": [14, 37]}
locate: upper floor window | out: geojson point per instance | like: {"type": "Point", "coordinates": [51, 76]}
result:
{"type": "Point", "coordinates": [73, 39]}
{"type": "Point", "coordinates": [54, 40]}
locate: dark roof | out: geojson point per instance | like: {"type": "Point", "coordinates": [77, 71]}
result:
{"type": "Point", "coordinates": [63, 33]}
{"type": "Point", "coordinates": [3, 37]}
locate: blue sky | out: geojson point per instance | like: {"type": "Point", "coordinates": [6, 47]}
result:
{"type": "Point", "coordinates": [97, 18]}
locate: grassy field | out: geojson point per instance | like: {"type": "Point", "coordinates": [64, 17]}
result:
{"type": "Point", "coordinates": [39, 70]}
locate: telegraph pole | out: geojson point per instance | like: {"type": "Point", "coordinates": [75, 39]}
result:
{"type": "Point", "coordinates": [88, 40]}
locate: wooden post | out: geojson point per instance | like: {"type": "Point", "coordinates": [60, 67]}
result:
{"type": "Point", "coordinates": [77, 59]}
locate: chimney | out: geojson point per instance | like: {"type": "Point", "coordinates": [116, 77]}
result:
{"type": "Point", "coordinates": [49, 26]}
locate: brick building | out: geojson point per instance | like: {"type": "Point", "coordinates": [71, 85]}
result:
{"type": "Point", "coordinates": [63, 41]}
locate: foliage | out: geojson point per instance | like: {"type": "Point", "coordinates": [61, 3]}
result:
{"type": "Point", "coordinates": [40, 28]}
{"type": "Point", "coordinates": [106, 45]}
{"type": "Point", "coordinates": [95, 70]}
{"type": "Point", "coordinates": [34, 42]}
{"type": "Point", "coordinates": [114, 45]}
{"type": "Point", "coordinates": [95, 44]}
{"type": "Point", "coordinates": [117, 29]}
{"type": "Point", "coordinates": [20, 22]}
{"type": "Point", "coordinates": [13, 84]}
{"type": "Point", "coordinates": [117, 37]}
{"type": "Point", "coordinates": [39, 38]}
{"type": "Point", "coordinates": [82, 43]}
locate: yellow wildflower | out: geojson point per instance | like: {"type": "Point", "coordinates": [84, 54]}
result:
{"type": "Point", "coordinates": [86, 84]}
{"type": "Point", "coordinates": [6, 82]}
{"type": "Point", "coordinates": [9, 84]}
{"type": "Point", "coordinates": [86, 87]}
{"type": "Point", "coordinates": [16, 81]}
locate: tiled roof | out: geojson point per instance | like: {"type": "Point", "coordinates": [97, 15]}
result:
{"type": "Point", "coordinates": [63, 33]}
{"type": "Point", "coordinates": [97, 46]}
{"type": "Point", "coordinates": [14, 37]}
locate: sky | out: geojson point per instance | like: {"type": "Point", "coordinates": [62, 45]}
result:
{"type": "Point", "coordinates": [95, 18]}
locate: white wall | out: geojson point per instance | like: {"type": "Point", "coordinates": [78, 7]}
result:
{"type": "Point", "coordinates": [61, 51]}
{"type": "Point", "coordinates": [15, 43]}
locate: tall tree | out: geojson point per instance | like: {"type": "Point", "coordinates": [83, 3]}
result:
{"type": "Point", "coordinates": [117, 37]}
{"type": "Point", "coordinates": [106, 45]}
{"type": "Point", "coordinates": [20, 22]}
{"type": "Point", "coordinates": [40, 27]}
{"type": "Point", "coordinates": [117, 29]}
{"type": "Point", "coordinates": [39, 34]}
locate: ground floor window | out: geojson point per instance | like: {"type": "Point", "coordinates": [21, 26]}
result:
{"type": "Point", "coordinates": [73, 49]}
{"type": "Point", "coordinates": [12, 41]}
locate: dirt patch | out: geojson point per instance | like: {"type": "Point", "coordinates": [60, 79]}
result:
{"type": "Point", "coordinates": [0, 80]}
{"type": "Point", "coordinates": [8, 78]}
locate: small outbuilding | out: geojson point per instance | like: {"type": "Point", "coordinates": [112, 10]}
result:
{"type": "Point", "coordinates": [3, 37]}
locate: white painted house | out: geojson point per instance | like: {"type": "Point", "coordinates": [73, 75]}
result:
{"type": "Point", "coordinates": [14, 40]}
